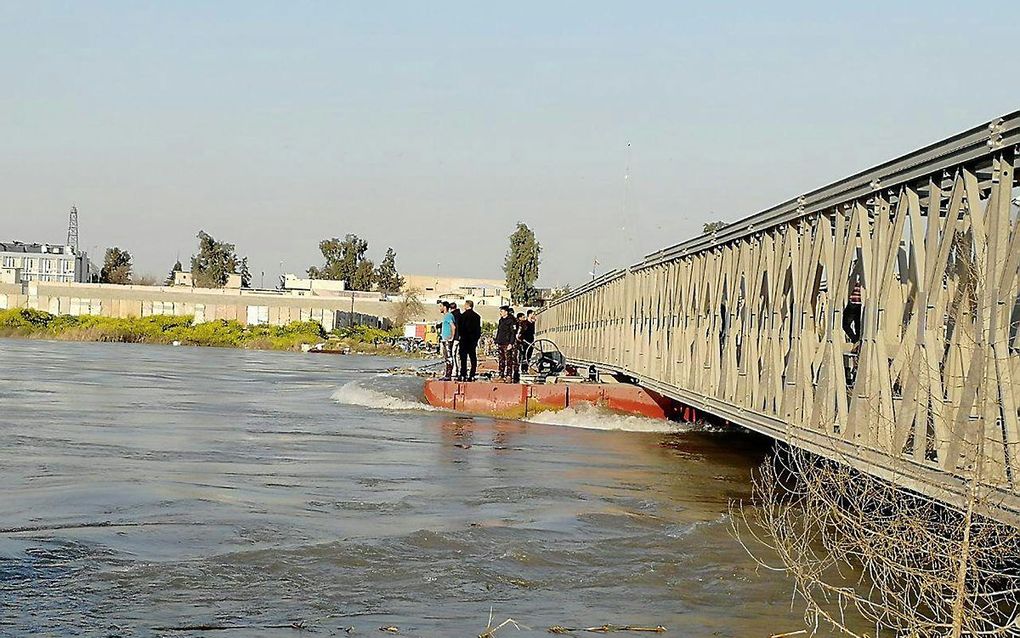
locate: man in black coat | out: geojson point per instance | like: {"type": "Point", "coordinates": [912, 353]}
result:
{"type": "Point", "coordinates": [469, 325]}
{"type": "Point", "coordinates": [506, 344]}
{"type": "Point", "coordinates": [525, 338]}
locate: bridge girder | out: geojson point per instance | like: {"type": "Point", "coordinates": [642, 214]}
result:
{"type": "Point", "coordinates": [757, 322]}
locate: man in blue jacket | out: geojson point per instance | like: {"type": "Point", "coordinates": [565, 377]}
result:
{"type": "Point", "coordinates": [447, 333]}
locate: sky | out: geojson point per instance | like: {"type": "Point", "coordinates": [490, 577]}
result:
{"type": "Point", "coordinates": [612, 129]}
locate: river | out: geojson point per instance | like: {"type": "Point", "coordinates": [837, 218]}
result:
{"type": "Point", "coordinates": [147, 490]}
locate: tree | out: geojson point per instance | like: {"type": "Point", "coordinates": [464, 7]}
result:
{"type": "Point", "coordinates": [410, 308]}
{"type": "Point", "coordinates": [364, 276]}
{"type": "Point", "coordinates": [116, 267]}
{"type": "Point", "coordinates": [177, 267]}
{"type": "Point", "coordinates": [245, 273]}
{"type": "Point", "coordinates": [713, 227]}
{"type": "Point", "coordinates": [562, 291]}
{"type": "Point", "coordinates": [386, 276]}
{"type": "Point", "coordinates": [215, 262]}
{"type": "Point", "coordinates": [144, 280]}
{"type": "Point", "coordinates": [521, 265]}
{"type": "Point", "coordinates": [342, 257]}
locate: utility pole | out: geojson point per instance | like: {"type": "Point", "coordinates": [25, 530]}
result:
{"type": "Point", "coordinates": [351, 323]}
{"type": "Point", "coordinates": [72, 229]}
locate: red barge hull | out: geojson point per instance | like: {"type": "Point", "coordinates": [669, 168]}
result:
{"type": "Point", "coordinates": [520, 400]}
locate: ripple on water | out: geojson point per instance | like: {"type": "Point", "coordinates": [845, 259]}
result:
{"type": "Point", "coordinates": [264, 493]}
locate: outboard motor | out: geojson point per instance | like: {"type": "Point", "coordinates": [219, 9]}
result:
{"type": "Point", "coordinates": [546, 358]}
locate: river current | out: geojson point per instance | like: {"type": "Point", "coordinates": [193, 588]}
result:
{"type": "Point", "coordinates": [157, 491]}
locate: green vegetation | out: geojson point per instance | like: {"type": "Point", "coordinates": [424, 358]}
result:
{"type": "Point", "coordinates": [387, 279]}
{"type": "Point", "coordinates": [215, 262]}
{"type": "Point", "coordinates": [710, 228]}
{"type": "Point", "coordinates": [176, 268]}
{"type": "Point", "coordinates": [345, 260]}
{"type": "Point", "coordinates": [34, 324]}
{"type": "Point", "coordinates": [342, 256]}
{"type": "Point", "coordinates": [158, 330]}
{"type": "Point", "coordinates": [116, 267]}
{"type": "Point", "coordinates": [521, 265]}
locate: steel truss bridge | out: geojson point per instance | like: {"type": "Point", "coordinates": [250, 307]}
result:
{"type": "Point", "coordinates": [754, 323]}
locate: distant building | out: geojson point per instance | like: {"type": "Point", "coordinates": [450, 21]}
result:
{"type": "Point", "coordinates": [22, 263]}
{"type": "Point", "coordinates": [315, 287]}
{"type": "Point", "coordinates": [483, 292]}
{"type": "Point", "coordinates": [184, 278]}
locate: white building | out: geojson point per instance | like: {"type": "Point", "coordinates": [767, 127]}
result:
{"type": "Point", "coordinates": [44, 262]}
{"type": "Point", "coordinates": [316, 287]}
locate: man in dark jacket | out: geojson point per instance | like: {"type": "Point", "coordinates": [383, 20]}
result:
{"type": "Point", "coordinates": [506, 343]}
{"type": "Point", "coordinates": [525, 338]}
{"type": "Point", "coordinates": [470, 329]}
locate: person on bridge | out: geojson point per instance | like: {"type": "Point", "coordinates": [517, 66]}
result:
{"type": "Point", "coordinates": [854, 312]}
{"type": "Point", "coordinates": [506, 344]}
{"type": "Point", "coordinates": [470, 329]}
{"type": "Point", "coordinates": [448, 331]}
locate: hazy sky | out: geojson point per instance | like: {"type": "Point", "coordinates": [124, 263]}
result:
{"type": "Point", "coordinates": [434, 126]}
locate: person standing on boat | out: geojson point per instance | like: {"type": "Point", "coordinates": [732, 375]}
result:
{"type": "Point", "coordinates": [456, 338]}
{"type": "Point", "coordinates": [525, 338]}
{"type": "Point", "coordinates": [447, 332]}
{"type": "Point", "coordinates": [506, 343]}
{"type": "Point", "coordinates": [470, 329]}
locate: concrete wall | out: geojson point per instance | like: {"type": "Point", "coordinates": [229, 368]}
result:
{"type": "Point", "coordinates": [206, 304]}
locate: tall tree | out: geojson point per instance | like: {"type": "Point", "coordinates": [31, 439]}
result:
{"type": "Point", "coordinates": [364, 276]}
{"type": "Point", "coordinates": [245, 272]}
{"type": "Point", "coordinates": [342, 257]}
{"type": "Point", "coordinates": [177, 267]}
{"type": "Point", "coordinates": [410, 308]}
{"type": "Point", "coordinates": [215, 262]}
{"type": "Point", "coordinates": [386, 276]}
{"type": "Point", "coordinates": [116, 267]}
{"type": "Point", "coordinates": [521, 265]}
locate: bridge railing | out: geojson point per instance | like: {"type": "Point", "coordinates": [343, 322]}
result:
{"type": "Point", "coordinates": [873, 320]}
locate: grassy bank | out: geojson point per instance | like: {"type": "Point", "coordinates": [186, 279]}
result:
{"type": "Point", "coordinates": [33, 324]}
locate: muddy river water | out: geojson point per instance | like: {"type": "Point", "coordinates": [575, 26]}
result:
{"type": "Point", "coordinates": [157, 491]}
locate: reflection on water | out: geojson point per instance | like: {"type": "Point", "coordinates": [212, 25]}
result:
{"type": "Point", "coordinates": [148, 488]}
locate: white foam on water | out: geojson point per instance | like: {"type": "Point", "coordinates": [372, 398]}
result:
{"type": "Point", "coordinates": [595, 418]}
{"type": "Point", "coordinates": [354, 393]}
{"type": "Point", "coordinates": [584, 416]}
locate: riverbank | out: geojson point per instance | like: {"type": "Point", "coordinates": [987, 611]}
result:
{"type": "Point", "coordinates": [166, 330]}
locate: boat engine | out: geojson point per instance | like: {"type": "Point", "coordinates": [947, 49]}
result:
{"type": "Point", "coordinates": [545, 358]}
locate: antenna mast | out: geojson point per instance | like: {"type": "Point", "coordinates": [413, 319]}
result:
{"type": "Point", "coordinates": [72, 229]}
{"type": "Point", "coordinates": [625, 216]}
